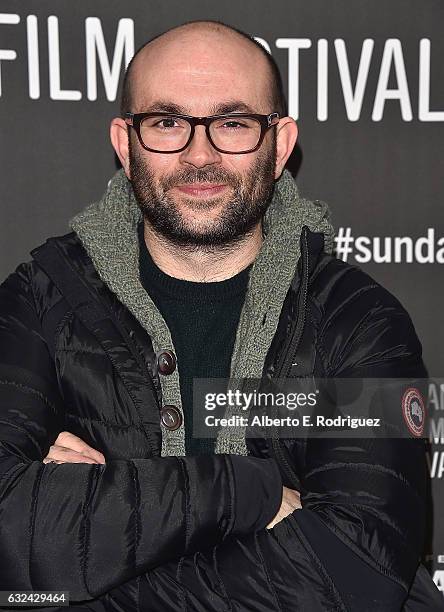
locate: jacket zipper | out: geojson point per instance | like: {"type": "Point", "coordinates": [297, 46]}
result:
{"type": "Point", "coordinates": [279, 450]}
{"type": "Point", "coordinates": [302, 303]}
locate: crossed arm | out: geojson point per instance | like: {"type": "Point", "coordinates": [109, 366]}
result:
{"type": "Point", "coordinates": [69, 448]}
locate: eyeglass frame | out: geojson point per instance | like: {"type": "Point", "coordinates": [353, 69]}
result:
{"type": "Point", "coordinates": [266, 122]}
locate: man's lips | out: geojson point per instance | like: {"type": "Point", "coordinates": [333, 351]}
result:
{"type": "Point", "coordinates": [201, 189]}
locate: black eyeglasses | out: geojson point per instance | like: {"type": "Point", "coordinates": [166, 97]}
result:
{"type": "Point", "coordinates": [232, 133]}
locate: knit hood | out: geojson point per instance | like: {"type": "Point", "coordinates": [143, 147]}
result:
{"type": "Point", "coordinates": [108, 232]}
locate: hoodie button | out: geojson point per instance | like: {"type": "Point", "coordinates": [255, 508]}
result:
{"type": "Point", "coordinates": [170, 418]}
{"type": "Point", "coordinates": [166, 362]}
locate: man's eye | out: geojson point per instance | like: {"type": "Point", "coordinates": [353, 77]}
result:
{"type": "Point", "coordinates": [166, 123]}
{"type": "Point", "coordinates": [233, 125]}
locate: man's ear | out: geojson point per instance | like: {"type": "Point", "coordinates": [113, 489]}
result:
{"type": "Point", "coordinates": [118, 131]}
{"type": "Point", "coordinates": [286, 136]}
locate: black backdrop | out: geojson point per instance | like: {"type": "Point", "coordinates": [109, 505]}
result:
{"type": "Point", "coordinates": [365, 80]}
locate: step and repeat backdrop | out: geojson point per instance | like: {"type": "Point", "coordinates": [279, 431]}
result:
{"type": "Point", "coordinates": [364, 80]}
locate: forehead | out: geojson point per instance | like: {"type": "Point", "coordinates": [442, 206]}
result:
{"type": "Point", "coordinates": [199, 72]}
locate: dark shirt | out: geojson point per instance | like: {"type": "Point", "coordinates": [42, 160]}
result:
{"type": "Point", "coordinates": [203, 319]}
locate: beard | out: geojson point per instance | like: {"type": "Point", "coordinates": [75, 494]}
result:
{"type": "Point", "coordinates": [250, 197]}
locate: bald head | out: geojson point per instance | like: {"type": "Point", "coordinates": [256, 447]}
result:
{"type": "Point", "coordinates": [203, 51]}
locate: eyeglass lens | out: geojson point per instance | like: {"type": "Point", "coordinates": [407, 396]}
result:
{"type": "Point", "coordinates": [172, 133]}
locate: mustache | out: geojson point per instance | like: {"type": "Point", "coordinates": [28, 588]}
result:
{"type": "Point", "coordinates": [197, 175]}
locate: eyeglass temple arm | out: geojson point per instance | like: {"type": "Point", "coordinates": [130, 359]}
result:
{"type": "Point", "coordinates": [272, 119]}
{"type": "Point", "coordinates": [128, 118]}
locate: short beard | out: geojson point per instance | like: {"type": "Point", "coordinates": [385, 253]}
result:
{"type": "Point", "coordinates": [251, 197]}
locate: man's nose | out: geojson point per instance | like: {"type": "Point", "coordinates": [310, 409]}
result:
{"type": "Point", "coordinates": [200, 152]}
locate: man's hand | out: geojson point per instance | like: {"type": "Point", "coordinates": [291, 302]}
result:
{"type": "Point", "coordinates": [68, 448]}
{"type": "Point", "coordinates": [291, 500]}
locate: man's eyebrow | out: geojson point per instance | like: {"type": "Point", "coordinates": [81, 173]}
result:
{"type": "Point", "coordinates": [164, 106]}
{"type": "Point", "coordinates": [221, 108]}
{"type": "Point", "coordinates": [232, 106]}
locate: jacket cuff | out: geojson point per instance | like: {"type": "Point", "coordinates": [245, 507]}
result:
{"type": "Point", "coordinates": [257, 493]}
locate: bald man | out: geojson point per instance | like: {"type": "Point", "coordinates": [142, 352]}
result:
{"type": "Point", "coordinates": [200, 261]}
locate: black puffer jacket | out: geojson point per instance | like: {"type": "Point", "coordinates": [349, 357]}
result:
{"type": "Point", "coordinates": [166, 533]}
{"type": "Point", "coordinates": [145, 532]}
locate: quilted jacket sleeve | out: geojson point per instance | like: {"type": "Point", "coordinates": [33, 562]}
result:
{"type": "Point", "coordinates": [86, 528]}
{"type": "Point", "coordinates": [370, 493]}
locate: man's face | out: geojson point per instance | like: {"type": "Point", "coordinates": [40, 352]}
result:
{"type": "Point", "coordinates": [200, 197]}
{"type": "Point", "coordinates": [198, 218]}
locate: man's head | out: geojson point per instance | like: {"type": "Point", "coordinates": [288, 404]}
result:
{"type": "Point", "coordinates": [200, 196]}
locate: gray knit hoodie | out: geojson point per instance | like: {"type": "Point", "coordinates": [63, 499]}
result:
{"type": "Point", "coordinates": [108, 231]}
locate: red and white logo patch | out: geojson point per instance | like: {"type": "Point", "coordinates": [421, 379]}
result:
{"type": "Point", "coordinates": [413, 411]}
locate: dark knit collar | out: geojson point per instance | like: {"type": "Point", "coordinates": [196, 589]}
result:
{"type": "Point", "coordinates": [156, 282]}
